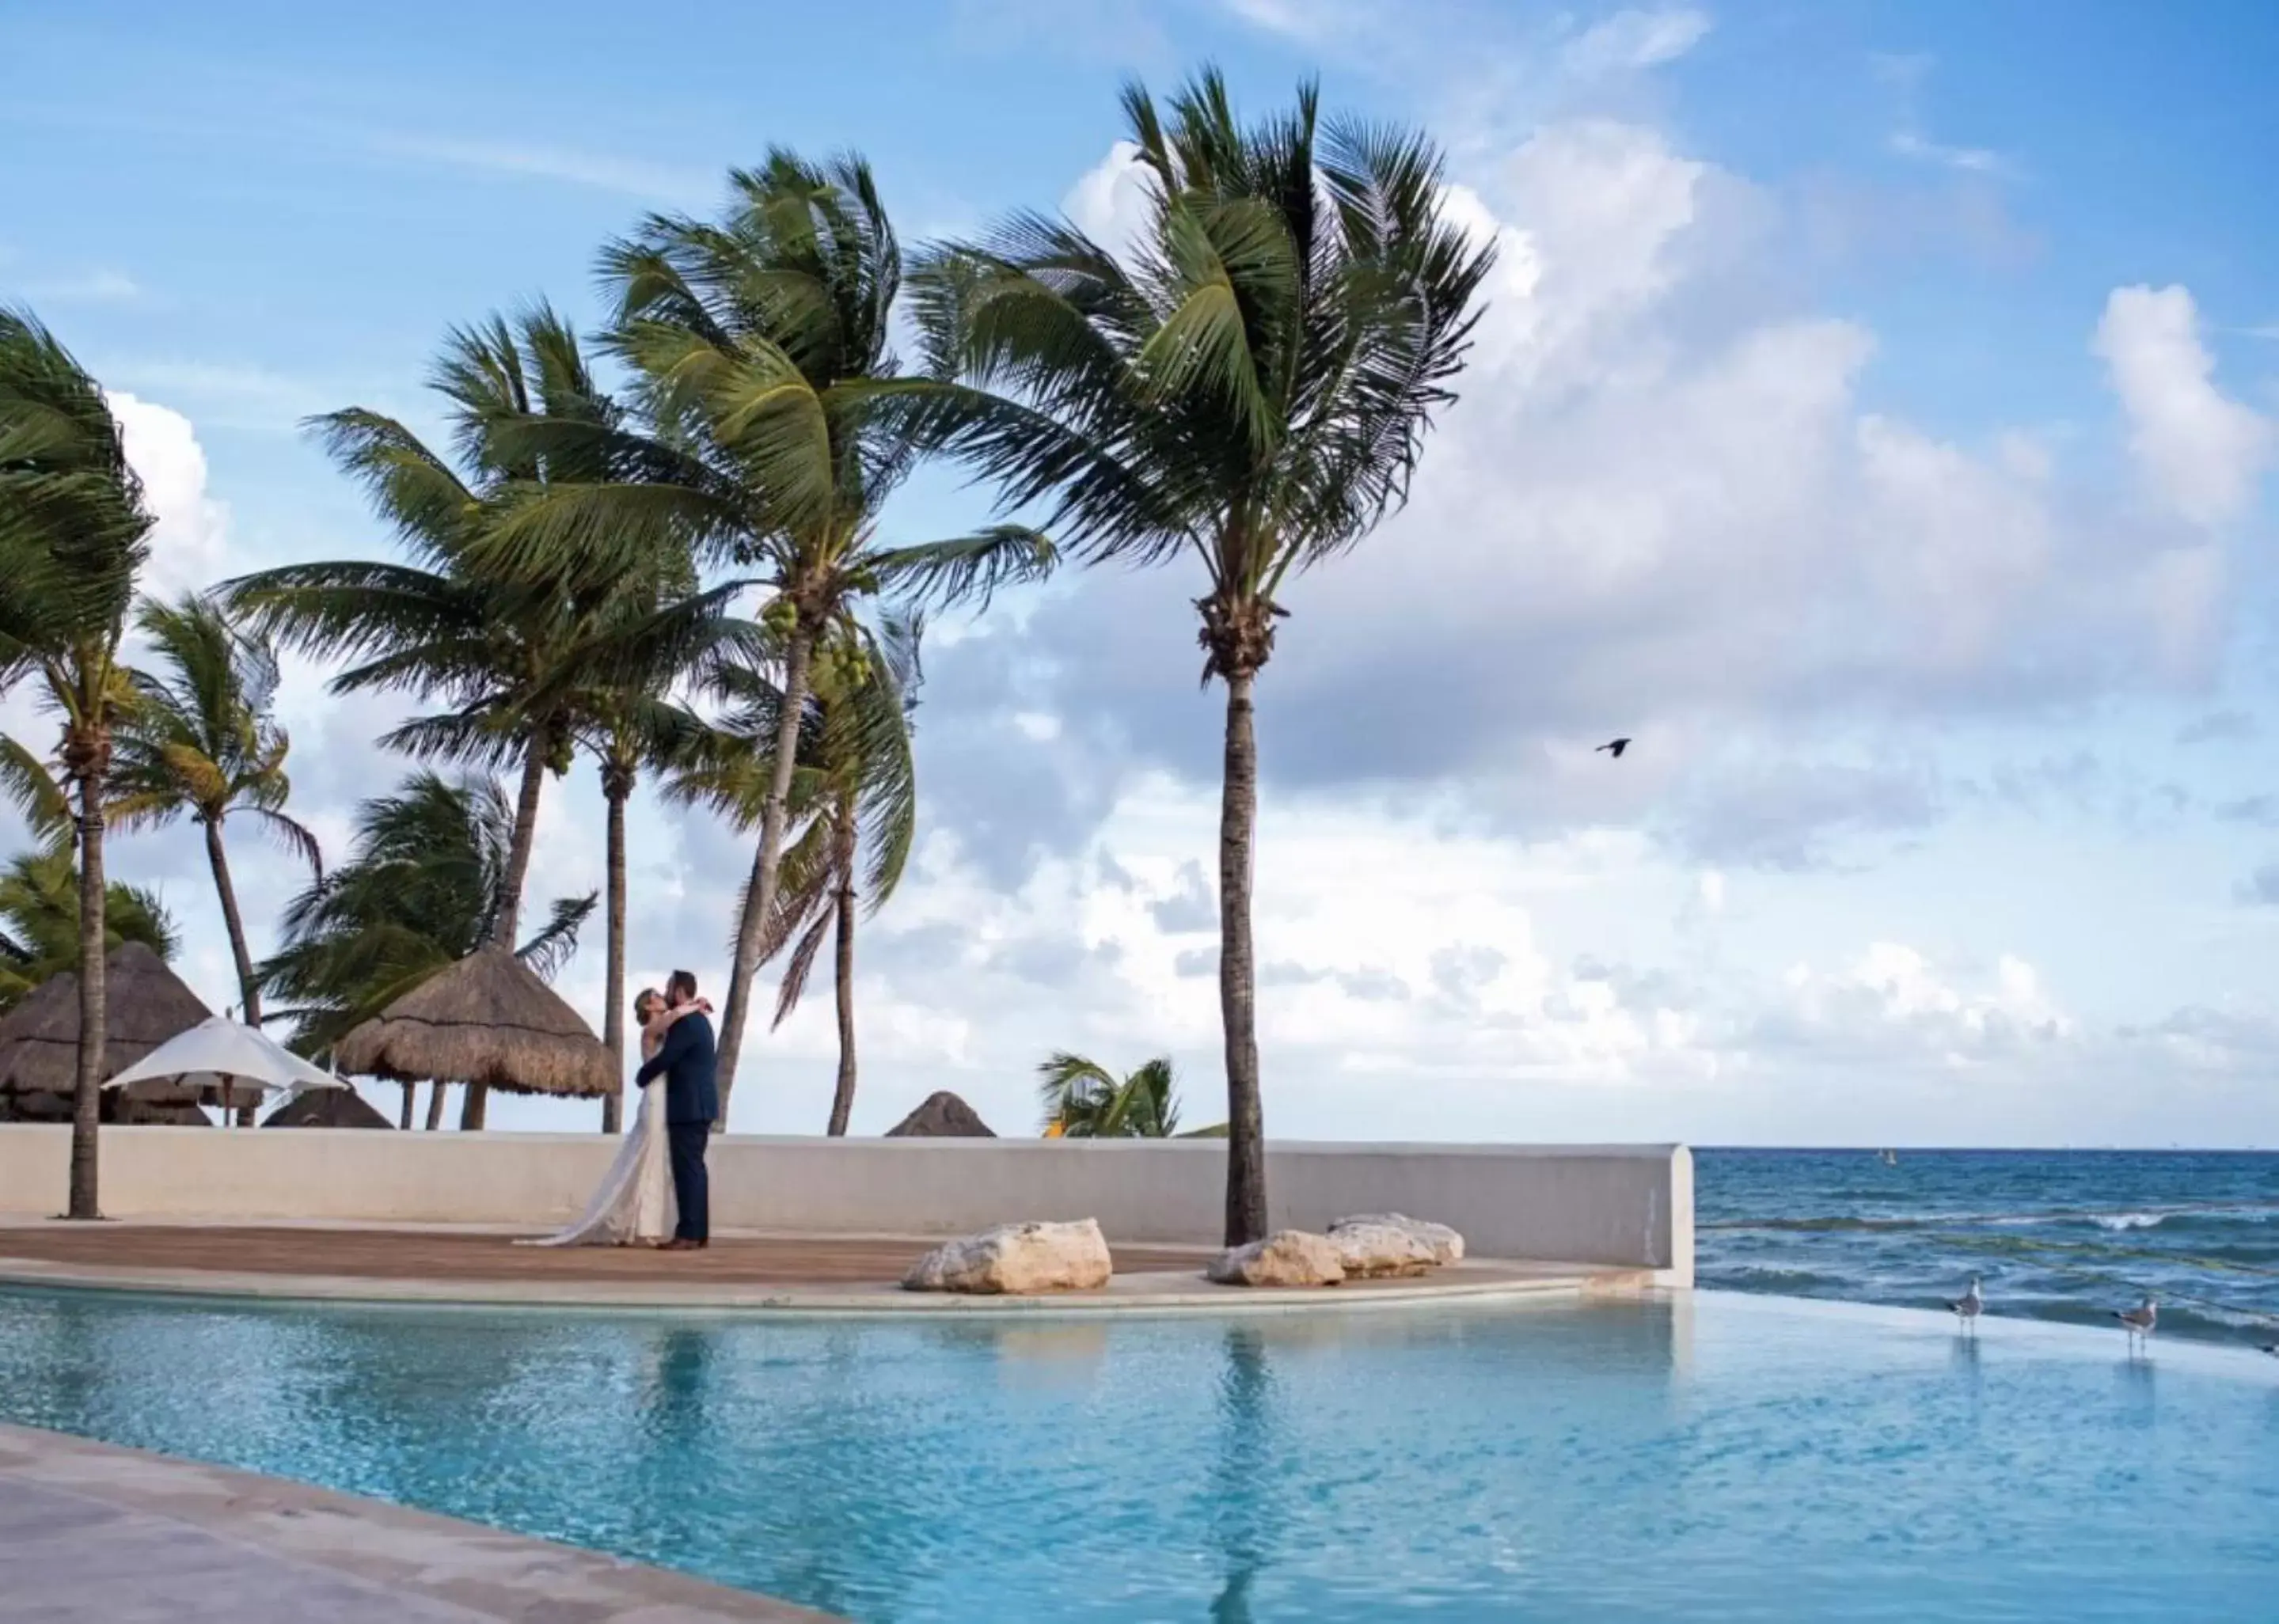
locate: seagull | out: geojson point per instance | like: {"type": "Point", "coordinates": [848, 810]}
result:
{"type": "Point", "coordinates": [1965, 1307]}
{"type": "Point", "coordinates": [1614, 747]}
{"type": "Point", "coordinates": [2137, 1322]}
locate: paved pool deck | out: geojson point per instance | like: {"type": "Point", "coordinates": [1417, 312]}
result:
{"type": "Point", "coordinates": [808, 1274]}
{"type": "Point", "coordinates": [94, 1534]}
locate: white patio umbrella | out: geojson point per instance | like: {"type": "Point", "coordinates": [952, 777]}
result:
{"type": "Point", "coordinates": [222, 1055]}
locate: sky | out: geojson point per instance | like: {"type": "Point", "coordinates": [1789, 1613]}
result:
{"type": "Point", "coordinates": [1874, 417]}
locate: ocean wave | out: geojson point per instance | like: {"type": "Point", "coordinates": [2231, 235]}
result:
{"type": "Point", "coordinates": [1781, 1282]}
{"type": "Point", "coordinates": [2129, 1220]}
{"type": "Point", "coordinates": [2113, 1220]}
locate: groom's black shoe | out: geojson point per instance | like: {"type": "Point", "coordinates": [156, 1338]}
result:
{"type": "Point", "coordinates": [684, 1245]}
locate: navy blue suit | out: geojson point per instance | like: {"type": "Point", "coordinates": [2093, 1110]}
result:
{"type": "Point", "coordinates": [692, 1100]}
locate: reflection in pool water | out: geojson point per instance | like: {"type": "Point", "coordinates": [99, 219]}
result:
{"type": "Point", "coordinates": [1712, 1458]}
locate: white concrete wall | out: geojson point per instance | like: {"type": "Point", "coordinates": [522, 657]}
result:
{"type": "Point", "coordinates": [1622, 1204]}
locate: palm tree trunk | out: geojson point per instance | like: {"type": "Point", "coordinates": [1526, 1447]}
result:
{"type": "Point", "coordinates": [842, 1099]}
{"type": "Point", "coordinates": [435, 1108]}
{"type": "Point", "coordinates": [613, 1014]}
{"type": "Point", "coordinates": [760, 895]}
{"type": "Point", "coordinates": [94, 1012]}
{"type": "Point", "coordinates": [248, 989]}
{"type": "Point", "coordinates": [1237, 993]}
{"type": "Point", "coordinates": [404, 1121]}
{"type": "Point", "coordinates": [503, 928]}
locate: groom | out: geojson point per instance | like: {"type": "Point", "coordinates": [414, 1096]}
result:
{"type": "Point", "coordinates": [690, 1104]}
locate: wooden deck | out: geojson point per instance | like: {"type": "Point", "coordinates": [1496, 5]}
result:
{"type": "Point", "coordinates": [445, 1255]}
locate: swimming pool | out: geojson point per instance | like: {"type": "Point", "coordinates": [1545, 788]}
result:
{"type": "Point", "coordinates": [1717, 1456]}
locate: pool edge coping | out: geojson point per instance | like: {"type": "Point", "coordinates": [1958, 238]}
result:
{"type": "Point", "coordinates": [372, 1545]}
{"type": "Point", "coordinates": [1577, 1280]}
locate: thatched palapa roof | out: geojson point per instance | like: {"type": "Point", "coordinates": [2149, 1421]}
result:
{"type": "Point", "coordinates": [327, 1107]}
{"type": "Point", "coordinates": [487, 1019]}
{"type": "Point", "coordinates": [942, 1117]}
{"type": "Point", "coordinates": [145, 1005]}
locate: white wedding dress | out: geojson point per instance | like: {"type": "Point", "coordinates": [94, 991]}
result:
{"type": "Point", "coordinates": [635, 1202]}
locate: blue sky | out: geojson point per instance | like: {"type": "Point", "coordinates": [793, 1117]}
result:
{"type": "Point", "coordinates": [1875, 417]}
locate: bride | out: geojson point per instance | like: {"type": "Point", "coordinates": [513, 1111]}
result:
{"type": "Point", "coordinates": [633, 1206]}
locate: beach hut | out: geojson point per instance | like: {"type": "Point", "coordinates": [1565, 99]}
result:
{"type": "Point", "coordinates": [489, 1020]}
{"type": "Point", "coordinates": [145, 1005]}
{"type": "Point", "coordinates": [327, 1107]}
{"type": "Point", "coordinates": [943, 1116]}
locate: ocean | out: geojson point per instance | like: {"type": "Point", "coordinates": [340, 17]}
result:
{"type": "Point", "coordinates": [2054, 1235]}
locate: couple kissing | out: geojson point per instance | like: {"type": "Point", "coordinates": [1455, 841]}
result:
{"type": "Point", "coordinates": [659, 1174]}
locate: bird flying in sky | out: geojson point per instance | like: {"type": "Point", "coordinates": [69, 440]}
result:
{"type": "Point", "coordinates": [1615, 748]}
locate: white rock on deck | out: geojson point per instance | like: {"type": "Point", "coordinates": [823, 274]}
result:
{"type": "Point", "coordinates": [1018, 1260]}
{"type": "Point", "coordinates": [1447, 1245]}
{"type": "Point", "coordinates": [1289, 1258]}
{"type": "Point", "coordinates": [1381, 1251]}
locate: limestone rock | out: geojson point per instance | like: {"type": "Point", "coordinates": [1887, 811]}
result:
{"type": "Point", "coordinates": [1380, 1251]}
{"type": "Point", "coordinates": [1288, 1258]}
{"type": "Point", "coordinates": [1447, 1245]}
{"type": "Point", "coordinates": [1018, 1260]}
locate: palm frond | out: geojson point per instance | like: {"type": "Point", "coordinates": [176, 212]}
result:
{"type": "Point", "coordinates": [796, 969]}
{"type": "Point", "coordinates": [75, 531]}
{"type": "Point", "coordinates": [1252, 382]}
{"type": "Point", "coordinates": [555, 945]}
{"type": "Point", "coordinates": [293, 837]}
{"type": "Point", "coordinates": [967, 569]}
{"type": "Point", "coordinates": [37, 794]}
{"type": "Point", "coordinates": [414, 490]}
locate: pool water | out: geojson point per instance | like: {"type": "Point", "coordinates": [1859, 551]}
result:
{"type": "Point", "coordinates": [1714, 1457]}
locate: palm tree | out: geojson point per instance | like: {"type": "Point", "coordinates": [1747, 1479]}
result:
{"type": "Point", "coordinates": [626, 732]}
{"type": "Point", "coordinates": [451, 625]}
{"type": "Point", "coordinates": [760, 344]}
{"type": "Point", "coordinates": [1250, 388]}
{"type": "Point", "coordinates": [73, 535]}
{"type": "Point", "coordinates": [1084, 1101]}
{"type": "Point", "coordinates": [39, 921]}
{"type": "Point", "coordinates": [854, 792]}
{"type": "Point", "coordinates": [424, 886]}
{"type": "Point", "coordinates": [39, 889]}
{"type": "Point", "coordinates": [202, 740]}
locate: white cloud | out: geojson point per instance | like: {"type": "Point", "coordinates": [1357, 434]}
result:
{"type": "Point", "coordinates": [1110, 201]}
{"type": "Point", "coordinates": [1906, 74]}
{"type": "Point", "coordinates": [1661, 508]}
{"type": "Point", "coordinates": [190, 540]}
{"type": "Point", "coordinates": [1892, 1005]}
{"type": "Point", "coordinates": [662, 183]}
{"type": "Point", "coordinates": [96, 286]}
{"type": "Point", "coordinates": [2202, 451]}
{"type": "Point", "coordinates": [1389, 944]}
{"type": "Point", "coordinates": [1631, 40]}
{"type": "Point", "coordinates": [1973, 160]}
{"type": "Point", "coordinates": [1308, 21]}
{"type": "Point", "coordinates": [1660, 499]}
